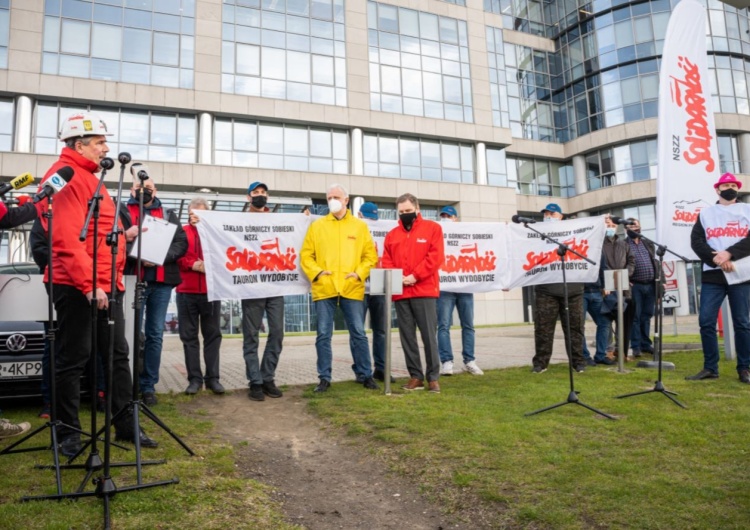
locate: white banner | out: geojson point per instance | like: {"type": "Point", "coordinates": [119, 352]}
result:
{"type": "Point", "coordinates": [532, 261]}
{"type": "Point", "coordinates": [252, 255]}
{"type": "Point", "coordinates": [473, 256]}
{"type": "Point", "coordinates": [687, 149]}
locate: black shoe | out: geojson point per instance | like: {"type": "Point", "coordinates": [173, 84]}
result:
{"type": "Point", "coordinates": [193, 388]}
{"type": "Point", "coordinates": [271, 390]}
{"type": "Point", "coordinates": [608, 362]}
{"type": "Point", "coordinates": [703, 374]}
{"type": "Point", "coordinates": [370, 384]}
{"type": "Point", "coordinates": [380, 376]}
{"type": "Point", "coordinates": [149, 398]}
{"type": "Point", "coordinates": [636, 354]}
{"type": "Point", "coordinates": [70, 446]}
{"type": "Point", "coordinates": [745, 377]}
{"type": "Point", "coordinates": [322, 386]}
{"type": "Point", "coordinates": [127, 436]}
{"type": "Point", "coordinates": [214, 386]}
{"type": "Point", "coordinates": [590, 362]}
{"type": "Point", "coordinates": [580, 368]}
{"type": "Point", "coordinates": [256, 393]}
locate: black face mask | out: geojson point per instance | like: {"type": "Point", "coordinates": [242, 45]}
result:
{"type": "Point", "coordinates": [407, 219]}
{"type": "Point", "coordinates": [148, 195]}
{"type": "Point", "coordinates": [259, 201]}
{"type": "Point", "coordinates": [729, 194]}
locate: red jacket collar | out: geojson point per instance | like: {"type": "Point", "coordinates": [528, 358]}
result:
{"type": "Point", "coordinates": [70, 156]}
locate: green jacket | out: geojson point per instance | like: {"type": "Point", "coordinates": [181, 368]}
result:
{"type": "Point", "coordinates": [341, 247]}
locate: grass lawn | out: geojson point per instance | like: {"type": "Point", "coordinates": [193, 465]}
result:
{"type": "Point", "coordinates": [210, 494]}
{"type": "Point", "coordinates": [657, 466]}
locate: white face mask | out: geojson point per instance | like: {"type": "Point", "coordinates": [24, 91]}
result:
{"type": "Point", "coordinates": [446, 220]}
{"type": "Point", "coordinates": [551, 219]}
{"type": "Point", "coordinates": [335, 206]}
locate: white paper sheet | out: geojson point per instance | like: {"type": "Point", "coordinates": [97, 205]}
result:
{"type": "Point", "coordinates": [156, 238]}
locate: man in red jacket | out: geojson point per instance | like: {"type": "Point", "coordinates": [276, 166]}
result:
{"type": "Point", "coordinates": [416, 247]}
{"type": "Point", "coordinates": [194, 310]}
{"type": "Point", "coordinates": [85, 137]}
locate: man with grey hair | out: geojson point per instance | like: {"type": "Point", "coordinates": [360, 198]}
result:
{"type": "Point", "coordinates": [336, 256]}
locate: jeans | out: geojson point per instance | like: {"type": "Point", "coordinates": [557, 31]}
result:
{"type": "Point", "coordinates": [376, 305]}
{"type": "Point", "coordinates": [712, 296]}
{"type": "Point", "coordinates": [464, 302]}
{"type": "Point", "coordinates": [354, 315]}
{"type": "Point", "coordinates": [252, 318]}
{"type": "Point", "coordinates": [196, 312]}
{"type": "Point", "coordinates": [592, 304]}
{"type": "Point", "coordinates": [155, 304]}
{"type": "Point", "coordinates": [644, 298]}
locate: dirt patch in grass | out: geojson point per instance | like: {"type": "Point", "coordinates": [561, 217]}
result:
{"type": "Point", "coordinates": [321, 478]}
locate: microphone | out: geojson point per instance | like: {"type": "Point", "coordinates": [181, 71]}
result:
{"type": "Point", "coordinates": [139, 171]}
{"type": "Point", "coordinates": [55, 183]}
{"type": "Point", "coordinates": [620, 220]}
{"type": "Point", "coordinates": [519, 219]}
{"type": "Point", "coordinates": [124, 158]}
{"type": "Point", "coordinates": [21, 181]}
{"type": "Point", "coordinates": [632, 234]}
{"type": "Point", "coordinates": [107, 163]}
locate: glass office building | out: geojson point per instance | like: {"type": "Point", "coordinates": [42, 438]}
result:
{"type": "Point", "coordinates": [493, 106]}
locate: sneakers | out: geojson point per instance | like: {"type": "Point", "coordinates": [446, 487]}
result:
{"type": "Point", "coordinates": [193, 388]}
{"type": "Point", "coordinates": [271, 390]}
{"type": "Point", "coordinates": [8, 429]}
{"type": "Point", "coordinates": [45, 412]}
{"type": "Point", "coordinates": [637, 354]}
{"type": "Point", "coordinates": [149, 398]}
{"type": "Point", "coordinates": [323, 386]}
{"type": "Point", "coordinates": [538, 369]}
{"type": "Point", "coordinates": [703, 374]}
{"type": "Point", "coordinates": [605, 361]}
{"type": "Point", "coordinates": [745, 377]}
{"type": "Point", "coordinates": [370, 384]}
{"type": "Point", "coordinates": [214, 386]}
{"type": "Point", "coordinates": [580, 368]}
{"type": "Point", "coordinates": [446, 368]}
{"type": "Point", "coordinates": [590, 362]}
{"type": "Point", "coordinates": [256, 393]}
{"type": "Point", "coordinates": [414, 384]}
{"type": "Point", "coordinates": [434, 387]}
{"type": "Point", "coordinates": [472, 368]}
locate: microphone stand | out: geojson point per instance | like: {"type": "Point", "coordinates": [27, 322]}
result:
{"type": "Point", "coordinates": [53, 423]}
{"type": "Point", "coordinates": [658, 331]}
{"type": "Point", "coordinates": [562, 249]}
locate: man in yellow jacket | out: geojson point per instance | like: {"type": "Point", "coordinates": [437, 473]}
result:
{"type": "Point", "coordinates": [337, 256]}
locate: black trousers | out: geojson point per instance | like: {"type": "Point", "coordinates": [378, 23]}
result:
{"type": "Point", "coordinates": [194, 311]}
{"type": "Point", "coordinates": [73, 350]}
{"type": "Point", "coordinates": [419, 313]}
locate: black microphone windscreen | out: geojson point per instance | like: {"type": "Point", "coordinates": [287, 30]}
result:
{"type": "Point", "coordinates": [66, 173]}
{"type": "Point", "coordinates": [515, 219]}
{"type": "Point", "coordinates": [124, 158]}
{"type": "Point", "coordinates": [107, 163]}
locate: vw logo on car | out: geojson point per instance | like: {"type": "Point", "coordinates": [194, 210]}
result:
{"type": "Point", "coordinates": [16, 342]}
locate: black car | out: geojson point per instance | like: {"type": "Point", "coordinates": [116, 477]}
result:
{"type": "Point", "coordinates": [21, 349]}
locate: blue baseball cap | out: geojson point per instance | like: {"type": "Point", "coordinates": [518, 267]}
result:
{"type": "Point", "coordinates": [254, 185]}
{"type": "Point", "coordinates": [449, 210]}
{"type": "Point", "coordinates": [369, 210]}
{"type": "Point", "coordinates": [552, 207]}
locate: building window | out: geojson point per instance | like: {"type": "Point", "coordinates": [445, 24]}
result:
{"type": "Point", "coordinates": [621, 164]}
{"type": "Point", "coordinates": [146, 42]}
{"type": "Point", "coordinates": [415, 158]}
{"type": "Point", "coordinates": [278, 146]}
{"type": "Point", "coordinates": [154, 136]}
{"type": "Point", "coordinates": [291, 50]}
{"type": "Point", "coordinates": [4, 32]}
{"type": "Point", "coordinates": [457, 2]}
{"type": "Point", "coordinates": [498, 81]}
{"type": "Point", "coordinates": [497, 171]}
{"type": "Point", "coordinates": [527, 16]}
{"type": "Point", "coordinates": [6, 124]}
{"type": "Point", "coordinates": [540, 177]}
{"type": "Point", "coordinates": [729, 154]}
{"type": "Point", "coordinates": [419, 63]}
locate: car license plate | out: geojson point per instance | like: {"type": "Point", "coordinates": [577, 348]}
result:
{"type": "Point", "coordinates": [20, 369]}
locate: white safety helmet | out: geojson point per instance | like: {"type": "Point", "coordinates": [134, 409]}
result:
{"type": "Point", "coordinates": [83, 124]}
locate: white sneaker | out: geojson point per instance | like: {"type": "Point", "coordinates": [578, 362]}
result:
{"type": "Point", "coordinates": [472, 368]}
{"type": "Point", "coordinates": [8, 429]}
{"type": "Point", "coordinates": [446, 368]}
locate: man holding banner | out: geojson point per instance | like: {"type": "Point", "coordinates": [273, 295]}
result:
{"type": "Point", "coordinates": [550, 303]}
{"type": "Point", "coordinates": [336, 256]}
{"type": "Point", "coordinates": [261, 375]}
{"type": "Point", "coordinates": [720, 238]}
{"type": "Point", "coordinates": [416, 247]}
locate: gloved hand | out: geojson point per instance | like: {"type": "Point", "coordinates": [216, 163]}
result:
{"type": "Point", "coordinates": [23, 199]}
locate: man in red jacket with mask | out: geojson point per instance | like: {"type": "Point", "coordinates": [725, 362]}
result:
{"type": "Point", "coordinates": [416, 247]}
{"type": "Point", "coordinates": [85, 137]}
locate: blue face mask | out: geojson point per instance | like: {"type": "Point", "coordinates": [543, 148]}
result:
{"type": "Point", "coordinates": [610, 232]}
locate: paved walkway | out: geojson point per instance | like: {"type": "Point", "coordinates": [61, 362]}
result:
{"type": "Point", "coordinates": [496, 347]}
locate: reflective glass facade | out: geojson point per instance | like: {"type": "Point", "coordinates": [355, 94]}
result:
{"type": "Point", "coordinates": [157, 136]}
{"type": "Point", "coordinates": [415, 158]}
{"type": "Point", "coordinates": [278, 146]}
{"type": "Point", "coordinates": [6, 124]}
{"type": "Point", "coordinates": [498, 81]}
{"type": "Point", "coordinates": [531, 176]}
{"type": "Point", "coordinates": [4, 32]}
{"type": "Point", "coordinates": [293, 49]}
{"type": "Point", "coordinates": [148, 42]}
{"type": "Point", "coordinates": [419, 63]}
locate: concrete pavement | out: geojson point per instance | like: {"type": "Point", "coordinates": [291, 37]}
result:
{"type": "Point", "coordinates": [496, 347]}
